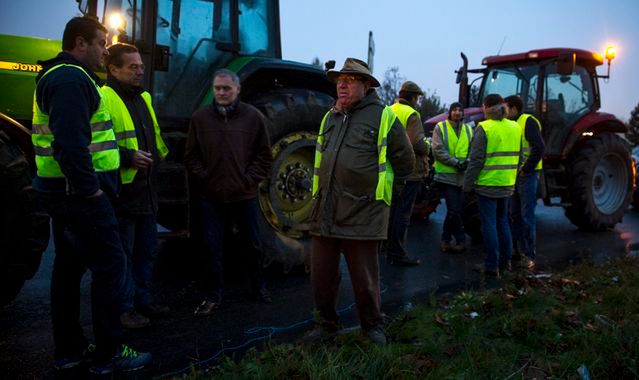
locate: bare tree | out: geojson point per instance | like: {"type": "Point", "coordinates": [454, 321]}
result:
{"type": "Point", "coordinates": [316, 62]}
{"type": "Point", "coordinates": [389, 89]}
{"type": "Point", "coordinates": [431, 105]}
{"type": "Point", "coordinates": [633, 126]}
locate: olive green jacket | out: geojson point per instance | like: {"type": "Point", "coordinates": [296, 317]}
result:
{"type": "Point", "coordinates": [344, 205]}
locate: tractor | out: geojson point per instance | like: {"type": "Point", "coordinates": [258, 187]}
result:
{"type": "Point", "coordinates": [182, 43]}
{"type": "Point", "coordinates": [587, 167]}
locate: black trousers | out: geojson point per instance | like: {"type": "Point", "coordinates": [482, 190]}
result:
{"type": "Point", "coordinates": [85, 233]}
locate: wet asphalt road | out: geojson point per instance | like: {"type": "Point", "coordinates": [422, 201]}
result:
{"type": "Point", "coordinates": [26, 344]}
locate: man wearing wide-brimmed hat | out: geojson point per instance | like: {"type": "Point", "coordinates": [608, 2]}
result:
{"type": "Point", "coordinates": [405, 108]}
{"type": "Point", "coordinates": [362, 150]}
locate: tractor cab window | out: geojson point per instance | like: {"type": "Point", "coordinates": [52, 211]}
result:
{"type": "Point", "coordinates": [513, 80]}
{"type": "Point", "coordinates": [191, 29]}
{"type": "Point", "coordinates": [567, 96]}
{"type": "Point", "coordinates": [566, 99]}
{"type": "Point", "coordinates": [258, 21]}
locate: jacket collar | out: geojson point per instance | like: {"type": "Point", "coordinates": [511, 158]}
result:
{"type": "Point", "coordinates": [64, 57]}
{"type": "Point", "coordinates": [123, 89]}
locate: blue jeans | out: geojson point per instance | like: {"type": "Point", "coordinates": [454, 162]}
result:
{"type": "Point", "coordinates": [453, 224]}
{"type": "Point", "coordinates": [495, 230]}
{"type": "Point", "coordinates": [139, 237]}
{"type": "Point", "coordinates": [522, 212]}
{"type": "Point", "coordinates": [216, 217]}
{"type": "Point", "coordinates": [85, 233]}
{"type": "Point", "coordinates": [401, 210]}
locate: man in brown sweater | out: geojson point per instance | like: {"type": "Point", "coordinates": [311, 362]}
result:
{"type": "Point", "coordinates": [228, 153]}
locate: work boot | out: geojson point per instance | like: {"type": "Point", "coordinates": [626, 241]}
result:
{"type": "Point", "coordinates": [403, 261]}
{"type": "Point", "coordinates": [458, 248]}
{"type": "Point", "coordinates": [84, 356]}
{"type": "Point", "coordinates": [526, 263]}
{"type": "Point", "coordinates": [153, 310]}
{"type": "Point", "coordinates": [481, 268]}
{"type": "Point", "coordinates": [206, 308]}
{"type": "Point", "coordinates": [133, 320]}
{"type": "Point", "coordinates": [505, 267]}
{"type": "Point", "coordinates": [319, 333]}
{"type": "Point", "coordinates": [377, 335]}
{"type": "Point", "coordinates": [444, 245]}
{"type": "Point", "coordinates": [125, 360]}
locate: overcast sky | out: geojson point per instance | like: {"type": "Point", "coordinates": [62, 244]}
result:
{"type": "Point", "coordinates": [424, 38]}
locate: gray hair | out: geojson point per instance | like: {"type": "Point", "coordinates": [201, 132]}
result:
{"type": "Point", "coordinates": [227, 73]}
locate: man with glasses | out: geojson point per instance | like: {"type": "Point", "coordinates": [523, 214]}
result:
{"type": "Point", "coordinates": [141, 149]}
{"type": "Point", "coordinates": [360, 145]}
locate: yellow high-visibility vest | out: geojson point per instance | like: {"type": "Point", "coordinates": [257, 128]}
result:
{"type": "Point", "coordinates": [458, 147]}
{"type": "Point", "coordinates": [525, 144]}
{"type": "Point", "coordinates": [403, 112]}
{"type": "Point", "coordinates": [103, 147]}
{"type": "Point", "coordinates": [503, 144]}
{"type": "Point", "coordinates": [125, 129]}
{"type": "Point", "coordinates": [385, 175]}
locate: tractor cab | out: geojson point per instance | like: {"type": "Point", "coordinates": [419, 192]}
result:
{"type": "Point", "coordinates": [559, 86]}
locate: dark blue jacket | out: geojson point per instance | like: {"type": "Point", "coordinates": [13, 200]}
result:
{"type": "Point", "coordinates": [70, 98]}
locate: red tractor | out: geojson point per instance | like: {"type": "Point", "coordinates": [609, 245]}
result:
{"type": "Point", "coordinates": [588, 168]}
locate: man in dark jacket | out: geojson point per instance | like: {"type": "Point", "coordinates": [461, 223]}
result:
{"type": "Point", "coordinates": [524, 199]}
{"type": "Point", "coordinates": [228, 152]}
{"type": "Point", "coordinates": [352, 186]}
{"type": "Point", "coordinates": [77, 160]}
{"type": "Point", "coordinates": [141, 148]}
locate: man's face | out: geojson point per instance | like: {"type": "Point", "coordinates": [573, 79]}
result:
{"type": "Point", "coordinates": [511, 112]}
{"type": "Point", "coordinates": [95, 51]}
{"type": "Point", "coordinates": [350, 89]}
{"type": "Point", "coordinates": [131, 71]}
{"type": "Point", "coordinates": [456, 114]}
{"type": "Point", "coordinates": [226, 91]}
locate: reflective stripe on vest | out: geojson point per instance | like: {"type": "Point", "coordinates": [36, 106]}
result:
{"type": "Point", "coordinates": [503, 144]}
{"type": "Point", "coordinates": [457, 147]}
{"type": "Point", "coordinates": [403, 112]}
{"type": "Point", "coordinates": [103, 147]}
{"type": "Point", "coordinates": [385, 175]}
{"type": "Point", "coordinates": [125, 129]}
{"type": "Point", "coordinates": [525, 145]}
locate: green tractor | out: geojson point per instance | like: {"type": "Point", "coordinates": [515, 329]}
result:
{"type": "Point", "coordinates": [182, 43]}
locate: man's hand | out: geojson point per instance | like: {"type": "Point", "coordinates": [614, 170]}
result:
{"type": "Point", "coordinates": [141, 160]}
{"type": "Point", "coordinates": [98, 193]}
{"type": "Point", "coordinates": [461, 166]}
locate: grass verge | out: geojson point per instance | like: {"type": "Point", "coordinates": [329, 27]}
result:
{"type": "Point", "coordinates": [531, 327]}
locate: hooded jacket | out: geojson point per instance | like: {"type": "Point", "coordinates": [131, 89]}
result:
{"type": "Point", "coordinates": [344, 205]}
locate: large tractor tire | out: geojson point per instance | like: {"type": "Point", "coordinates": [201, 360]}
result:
{"type": "Point", "coordinates": [294, 117]}
{"type": "Point", "coordinates": [24, 229]}
{"type": "Point", "coordinates": [600, 182]}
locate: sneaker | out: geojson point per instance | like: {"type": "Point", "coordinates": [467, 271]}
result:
{"type": "Point", "coordinates": [526, 263]}
{"type": "Point", "coordinates": [263, 295]}
{"type": "Point", "coordinates": [71, 362]}
{"type": "Point", "coordinates": [206, 308]}
{"type": "Point", "coordinates": [154, 310]}
{"type": "Point", "coordinates": [458, 248]}
{"type": "Point", "coordinates": [133, 320]}
{"type": "Point", "coordinates": [481, 268]}
{"type": "Point", "coordinates": [127, 359]}
{"type": "Point", "coordinates": [403, 261]}
{"type": "Point", "coordinates": [377, 335]}
{"type": "Point", "coordinates": [444, 245]}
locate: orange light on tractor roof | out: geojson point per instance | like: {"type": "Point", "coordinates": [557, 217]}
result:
{"type": "Point", "coordinates": [610, 53]}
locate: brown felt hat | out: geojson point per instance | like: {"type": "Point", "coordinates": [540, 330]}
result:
{"type": "Point", "coordinates": [411, 87]}
{"type": "Point", "coordinates": [354, 66]}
